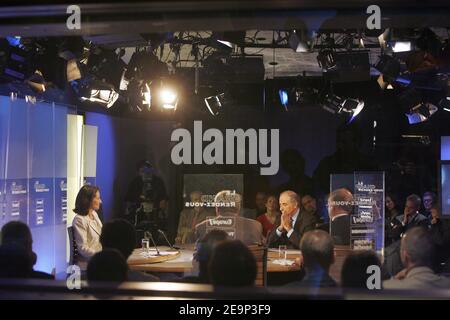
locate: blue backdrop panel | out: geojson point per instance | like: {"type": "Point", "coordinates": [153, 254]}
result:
{"type": "Point", "coordinates": [60, 187]}
{"type": "Point", "coordinates": [41, 180]}
{"type": "Point", "coordinates": [106, 155]}
{"type": "Point", "coordinates": [33, 146]}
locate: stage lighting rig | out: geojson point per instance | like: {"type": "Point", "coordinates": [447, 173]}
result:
{"type": "Point", "coordinates": [95, 91]}
{"type": "Point", "coordinates": [389, 69]}
{"type": "Point", "coordinates": [298, 41]}
{"type": "Point", "coordinates": [337, 105]}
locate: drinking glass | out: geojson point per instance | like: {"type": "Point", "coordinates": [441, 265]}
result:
{"type": "Point", "coordinates": [145, 246]}
{"type": "Point", "coordinates": [282, 252]}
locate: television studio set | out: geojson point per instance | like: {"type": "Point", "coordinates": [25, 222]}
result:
{"type": "Point", "coordinates": [225, 150]}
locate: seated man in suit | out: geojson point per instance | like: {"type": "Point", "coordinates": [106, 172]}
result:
{"type": "Point", "coordinates": [411, 217]}
{"type": "Point", "coordinates": [340, 206]}
{"type": "Point", "coordinates": [292, 223]}
{"type": "Point", "coordinates": [228, 204]}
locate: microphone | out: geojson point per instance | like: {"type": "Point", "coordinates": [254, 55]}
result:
{"type": "Point", "coordinates": [167, 240]}
{"type": "Point", "coordinates": [154, 243]}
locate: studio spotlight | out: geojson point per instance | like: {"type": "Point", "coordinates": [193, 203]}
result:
{"type": "Point", "coordinates": [416, 109]}
{"type": "Point", "coordinates": [284, 97]}
{"type": "Point", "coordinates": [421, 113]}
{"type": "Point", "coordinates": [389, 68]}
{"type": "Point", "coordinates": [146, 96]}
{"type": "Point", "coordinates": [298, 41]}
{"type": "Point", "coordinates": [353, 107]}
{"type": "Point", "coordinates": [332, 104]}
{"type": "Point", "coordinates": [73, 71]}
{"type": "Point", "coordinates": [445, 104]}
{"type": "Point", "coordinates": [97, 92]}
{"type": "Point", "coordinates": [214, 104]}
{"type": "Point", "coordinates": [400, 46]}
{"type": "Point", "coordinates": [337, 105]}
{"type": "Point", "coordinates": [326, 60]}
{"type": "Point", "coordinates": [217, 103]}
{"type": "Point", "coordinates": [145, 65]}
{"type": "Point", "coordinates": [349, 66]}
{"type": "Point", "coordinates": [383, 37]}
{"type": "Point", "coordinates": [36, 81]}
{"type": "Point", "coordinates": [169, 98]}
{"type": "Point", "coordinates": [139, 95]}
{"type": "Point", "coordinates": [106, 65]}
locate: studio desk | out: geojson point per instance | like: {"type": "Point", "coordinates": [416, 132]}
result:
{"type": "Point", "coordinates": [180, 262]}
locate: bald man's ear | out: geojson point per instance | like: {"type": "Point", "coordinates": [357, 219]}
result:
{"type": "Point", "coordinates": [334, 257]}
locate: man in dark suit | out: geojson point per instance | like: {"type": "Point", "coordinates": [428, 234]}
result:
{"type": "Point", "coordinates": [411, 217]}
{"type": "Point", "coordinates": [228, 205]}
{"type": "Point", "coordinates": [340, 206]}
{"type": "Point", "coordinates": [292, 223]}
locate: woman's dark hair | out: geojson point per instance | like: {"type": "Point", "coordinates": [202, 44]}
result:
{"type": "Point", "coordinates": [84, 199]}
{"type": "Point", "coordinates": [395, 200]}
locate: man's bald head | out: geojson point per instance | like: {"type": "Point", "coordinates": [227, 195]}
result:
{"type": "Point", "coordinates": [228, 203]}
{"type": "Point", "coordinates": [289, 202]}
{"type": "Point", "coordinates": [317, 249]}
{"type": "Point", "coordinates": [340, 201]}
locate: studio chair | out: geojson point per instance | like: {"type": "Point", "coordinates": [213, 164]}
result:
{"type": "Point", "coordinates": [73, 247]}
{"type": "Point", "coordinates": [260, 253]}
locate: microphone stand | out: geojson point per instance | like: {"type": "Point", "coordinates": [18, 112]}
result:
{"type": "Point", "coordinates": [167, 240]}
{"type": "Point", "coordinates": [154, 243]}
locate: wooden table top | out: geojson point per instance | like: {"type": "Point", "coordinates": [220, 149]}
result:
{"type": "Point", "coordinates": [181, 261]}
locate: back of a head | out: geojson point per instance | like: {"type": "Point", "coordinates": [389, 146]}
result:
{"type": "Point", "coordinates": [15, 261]}
{"type": "Point", "coordinates": [341, 199]}
{"type": "Point", "coordinates": [418, 246]}
{"type": "Point", "coordinates": [354, 270]}
{"type": "Point", "coordinates": [317, 249]}
{"type": "Point", "coordinates": [119, 234]}
{"type": "Point", "coordinates": [205, 247]}
{"type": "Point", "coordinates": [228, 203]}
{"type": "Point", "coordinates": [17, 232]}
{"type": "Point", "coordinates": [232, 265]}
{"type": "Point", "coordinates": [107, 265]}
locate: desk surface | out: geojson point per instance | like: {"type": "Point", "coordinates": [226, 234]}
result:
{"type": "Point", "coordinates": [182, 262]}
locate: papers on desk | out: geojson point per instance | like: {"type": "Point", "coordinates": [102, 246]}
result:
{"type": "Point", "coordinates": [154, 253]}
{"type": "Point", "coordinates": [283, 262]}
